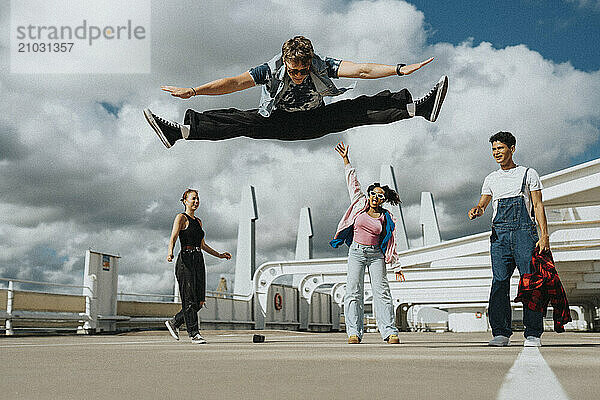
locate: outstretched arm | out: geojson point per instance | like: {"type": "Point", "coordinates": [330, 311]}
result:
{"type": "Point", "coordinates": [217, 87]}
{"type": "Point", "coordinates": [349, 69]}
{"type": "Point", "coordinates": [479, 209]}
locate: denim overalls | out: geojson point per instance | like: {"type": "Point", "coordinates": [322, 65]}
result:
{"type": "Point", "coordinates": [513, 240]}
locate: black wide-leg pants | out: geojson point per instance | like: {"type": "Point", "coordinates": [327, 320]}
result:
{"type": "Point", "coordinates": [383, 108]}
{"type": "Point", "coordinates": [191, 278]}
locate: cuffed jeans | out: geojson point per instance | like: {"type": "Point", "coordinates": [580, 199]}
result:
{"type": "Point", "coordinates": [511, 248]}
{"type": "Point", "coordinates": [360, 257]}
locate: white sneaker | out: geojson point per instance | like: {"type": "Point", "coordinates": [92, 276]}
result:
{"type": "Point", "coordinates": [532, 341]}
{"type": "Point", "coordinates": [172, 329]}
{"type": "Point", "coordinates": [198, 339]}
{"type": "Point", "coordinates": [499, 341]}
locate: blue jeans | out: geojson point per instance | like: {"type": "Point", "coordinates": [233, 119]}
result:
{"type": "Point", "coordinates": [359, 257]}
{"type": "Point", "coordinates": [511, 248]}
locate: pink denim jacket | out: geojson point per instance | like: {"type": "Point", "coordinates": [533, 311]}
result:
{"type": "Point", "coordinates": [359, 204]}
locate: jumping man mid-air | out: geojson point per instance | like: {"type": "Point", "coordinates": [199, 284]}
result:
{"type": "Point", "coordinates": [291, 106]}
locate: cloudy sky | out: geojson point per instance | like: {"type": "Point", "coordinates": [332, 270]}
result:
{"type": "Point", "coordinates": [80, 168]}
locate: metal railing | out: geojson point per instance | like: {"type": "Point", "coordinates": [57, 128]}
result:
{"type": "Point", "coordinates": [175, 298]}
{"type": "Point", "coordinates": [89, 317]}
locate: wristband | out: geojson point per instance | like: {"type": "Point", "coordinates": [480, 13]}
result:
{"type": "Point", "coordinates": [398, 72]}
{"type": "Point", "coordinates": [194, 90]}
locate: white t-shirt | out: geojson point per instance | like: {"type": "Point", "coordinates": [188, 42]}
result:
{"type": "Point", "coordinates": [501, 184]}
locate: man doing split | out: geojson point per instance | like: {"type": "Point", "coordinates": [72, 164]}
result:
{"type": "Point", "coordinates": [294, 84]}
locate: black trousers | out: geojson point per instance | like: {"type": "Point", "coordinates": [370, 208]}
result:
{"type": "Point", "coordinates": [191, 278]}
{"type": "Point", "coordinates": [383, 108]}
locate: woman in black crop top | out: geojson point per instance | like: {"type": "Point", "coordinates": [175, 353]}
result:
{"type": "Point", "coordinates": [189, 269]}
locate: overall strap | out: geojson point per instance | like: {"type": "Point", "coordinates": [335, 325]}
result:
{"type": "Point", "coordinates": [523, 186]}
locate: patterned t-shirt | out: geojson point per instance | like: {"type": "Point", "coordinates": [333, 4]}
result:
{"type": "Point", "coordinates": [297, 97]}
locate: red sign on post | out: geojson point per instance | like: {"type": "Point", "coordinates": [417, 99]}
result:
{"type": "Point", "coordinates": [278, 301]}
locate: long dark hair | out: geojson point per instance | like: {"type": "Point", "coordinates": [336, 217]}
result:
{"type": "Point", "coordinates": [391, 196]}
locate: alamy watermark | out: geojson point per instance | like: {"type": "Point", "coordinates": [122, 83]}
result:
{"type": "Point", "coordinates": [60, 36]}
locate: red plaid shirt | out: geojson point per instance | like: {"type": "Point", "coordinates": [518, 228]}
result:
{"type": "Point", "coordinates": [536, 290]}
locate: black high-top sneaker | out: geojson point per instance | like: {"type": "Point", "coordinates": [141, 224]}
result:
{"type": "Point", "coordinates": [429, 105]}
{"type": "Point", "coordinates": [172, 329]}
{"type": "Point", "coordinates": [168, 131]}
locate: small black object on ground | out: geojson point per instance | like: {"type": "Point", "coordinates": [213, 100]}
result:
{"type": "Point", "coordinates": [258, 338]}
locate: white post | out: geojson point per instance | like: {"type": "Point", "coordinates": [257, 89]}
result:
{"type": "Point", "coordinates": [9, 307]}
{"type": "Point", "coordinates": [305, 234]}
{"type": "Point", "coordinates": [176, 294]}
{"type": "Point", "coordinates": [91, 306]}
{"type": "Point", "coordinates": [245, 262]}
{"type": "Point", "coordinates": [303, 242]}
{"type": "Point", "coordinates": [387, 177]}
{"type": "Point", "coordinates": [429, 223]}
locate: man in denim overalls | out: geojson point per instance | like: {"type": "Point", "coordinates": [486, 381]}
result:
{"type": "Point", "coordinates": [516, 195]}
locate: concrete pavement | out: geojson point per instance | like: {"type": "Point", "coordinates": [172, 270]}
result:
{"type": "Point", "coordinates": [289, 365]}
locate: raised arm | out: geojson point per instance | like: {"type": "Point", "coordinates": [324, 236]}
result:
{"type": "Point", "coordinates": [354, 190]}
{"type": "Point", "coordinates": [540, 216]}
{"type": "Point", "coordinates": [217, 87]}
{"type": "Point", "coordinates": [349, 69]}
{"type": "Point", "coordinates": [343, 152]}
{"type": "Point", "coordinates": [479, 209]}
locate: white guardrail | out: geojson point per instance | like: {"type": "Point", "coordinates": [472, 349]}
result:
{"type": "Point", "coordinates": [89, 317]}
{"type": "Point", "coordinates": [175, 298]}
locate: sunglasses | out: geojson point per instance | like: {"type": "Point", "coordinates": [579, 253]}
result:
{"type": "Point", "coordinates": [303, 71]}
{"type": "Point", "coordinates": [380, 196]}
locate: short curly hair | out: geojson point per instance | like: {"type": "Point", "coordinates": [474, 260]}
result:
{"type": "Point", "coordinates": [504, 137]}
{"type": "Point", "coordinates": [297, 49]}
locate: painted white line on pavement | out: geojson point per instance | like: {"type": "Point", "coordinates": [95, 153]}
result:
{"type": "Point", "coordinates": [17, 345]}
{"type": "Point", "coordinates": [531, 378]}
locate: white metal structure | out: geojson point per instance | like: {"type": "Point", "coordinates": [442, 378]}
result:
{"type": "Point", "coordinates": [246, 244]}
{"type": "Point", "coordinates": [89, 316]}
{"type": "Point", "coordinates": [457, 273]}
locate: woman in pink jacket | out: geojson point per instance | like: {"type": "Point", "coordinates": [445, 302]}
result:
{"type": "Point", "coordinates": [370, 232]}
